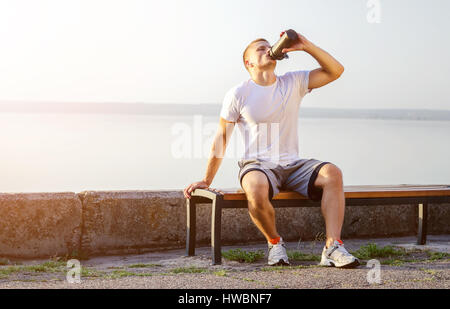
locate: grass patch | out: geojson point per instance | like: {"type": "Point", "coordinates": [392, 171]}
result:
{"type": "Point", "coordinates": [221, 273]}
{"type": "Point", "coordinates": [124, 273]}
{"type": "Point", "coordinates": [143, 274]}
{"type": "Point", "coordinates": [4, 261]}
{"type": "Point", "coordinates": [397, 256]}
{"type": "Point", "coordinates": [52, 266]}
{"type": "Point", "coordinates": [437, 255]}
{"type": "Point", "coordinates": [120, 274]}
{"type": "Point", "coordinates": [429, 271]}
{"type": "Point", "coordinates": [188, 270]}
{"type": "Point", "coordinates": [141, 265]}
{"type": "Point", "coordinates": [243, 256]}
{"type": "Point", "coordinates": [46, 267]}
{"type": "Point", "coordinates": [248, 280]}
{"type": "Point", "coordinates": [6, 271]}
{"type": "Point", "coordinates": [38, 269]}
{"type": "Point", "coordinates": [371, 251]}
{"type": "Point", "coordinates": [300, 256]}
{"type": "Point", "coordinates": [89, 272]}
{"type": "Point", "coordinates": [393, 262]}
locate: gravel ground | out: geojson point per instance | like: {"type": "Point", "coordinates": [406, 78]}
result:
{"type": "Point", "coordinates": [170, 269]}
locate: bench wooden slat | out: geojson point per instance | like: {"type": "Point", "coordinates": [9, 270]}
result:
{"type": "Point", "coordinates": [364, 191]}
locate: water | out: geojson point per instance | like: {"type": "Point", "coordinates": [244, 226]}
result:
{"type": "Point", "coordinates": [76, 152]}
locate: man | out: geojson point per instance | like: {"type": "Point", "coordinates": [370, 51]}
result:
{"type": "Point", "coordinates": [274, 100]}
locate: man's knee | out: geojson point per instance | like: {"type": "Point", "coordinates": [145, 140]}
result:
{"type": "Point", "coordinates": [329, 175]}
{"type": "Point", "coordinates": [256, 188]}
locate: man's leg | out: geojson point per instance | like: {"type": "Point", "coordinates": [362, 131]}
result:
{"type": "Point", "coordinates": [262, 213]}
{"type": "Point", "coordinates": [333, 200]}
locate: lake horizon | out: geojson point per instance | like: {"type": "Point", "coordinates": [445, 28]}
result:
{"type": "Point", "coordinates": [77, 152]}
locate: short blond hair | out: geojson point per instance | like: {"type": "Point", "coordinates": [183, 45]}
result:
{"type": "Point", "coordinates": [248, 46]}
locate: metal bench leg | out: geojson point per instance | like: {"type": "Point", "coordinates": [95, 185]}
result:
{"type": "Point", "coordinates": [216, 224]}
{"type": "Point", "coordinates": [190, 226]}
{"type": "Point", "coordinates": [422, 230]}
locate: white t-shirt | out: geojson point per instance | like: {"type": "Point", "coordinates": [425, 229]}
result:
{"type": "Point", "coordinates": [267, 116]}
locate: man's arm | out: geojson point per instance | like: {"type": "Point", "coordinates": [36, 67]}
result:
{"type": "Point", "coordinates": [217, 153]}
{"type": "Point", "coordinates": [330, 69]}
{"type": "Point", "coordinates": [218, 149]}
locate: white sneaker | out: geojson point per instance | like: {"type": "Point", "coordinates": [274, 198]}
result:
{"type": "Point", "coordinates": [336, 255]}
{"type": "Point", "coordinates": [277, 254]}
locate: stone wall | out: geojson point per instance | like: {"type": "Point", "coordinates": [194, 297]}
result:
{"type": "Point", "coordinates": [93, 223]}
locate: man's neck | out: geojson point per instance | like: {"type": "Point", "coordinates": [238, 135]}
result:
{"type": "Point", "coordinates": [264, 78]}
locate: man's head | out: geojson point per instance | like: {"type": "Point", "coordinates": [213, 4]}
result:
{"type": "Point", "coordinates": [256, 56]}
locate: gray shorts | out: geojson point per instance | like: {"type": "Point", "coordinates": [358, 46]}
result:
{"type": "Point", "coordinates": [298, 176]}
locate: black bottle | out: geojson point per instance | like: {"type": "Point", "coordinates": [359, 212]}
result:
{"type": "Point", "coordinates": [288, 39]}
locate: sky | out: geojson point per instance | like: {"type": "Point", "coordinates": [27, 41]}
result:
{"type": "Point", "coordinates": [191, 51]}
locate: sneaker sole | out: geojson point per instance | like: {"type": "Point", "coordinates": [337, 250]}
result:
{"type": "Point", "coordinates": [353, 264]}
{"type": "Point", "coordinates": [281, 262]}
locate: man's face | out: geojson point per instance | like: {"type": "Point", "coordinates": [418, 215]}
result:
{"type": "Point", "coordinates": [258, 55]}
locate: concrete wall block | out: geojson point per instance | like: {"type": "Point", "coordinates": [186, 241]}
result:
{"type": "Point", "coordinates": [121, 221]}
{"type": "Point", "coordinates": [380, 221]}
{"type": "Point", "coordinates": [439, 218]}
{"type": "Point", "coordinates": [39, 224]}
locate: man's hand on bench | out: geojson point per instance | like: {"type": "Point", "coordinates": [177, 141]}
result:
{"type": "Point", "coordinates": [198, 185]}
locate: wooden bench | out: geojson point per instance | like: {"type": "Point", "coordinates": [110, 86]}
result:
{"type": "Point", "coordinates": [367, 195]}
